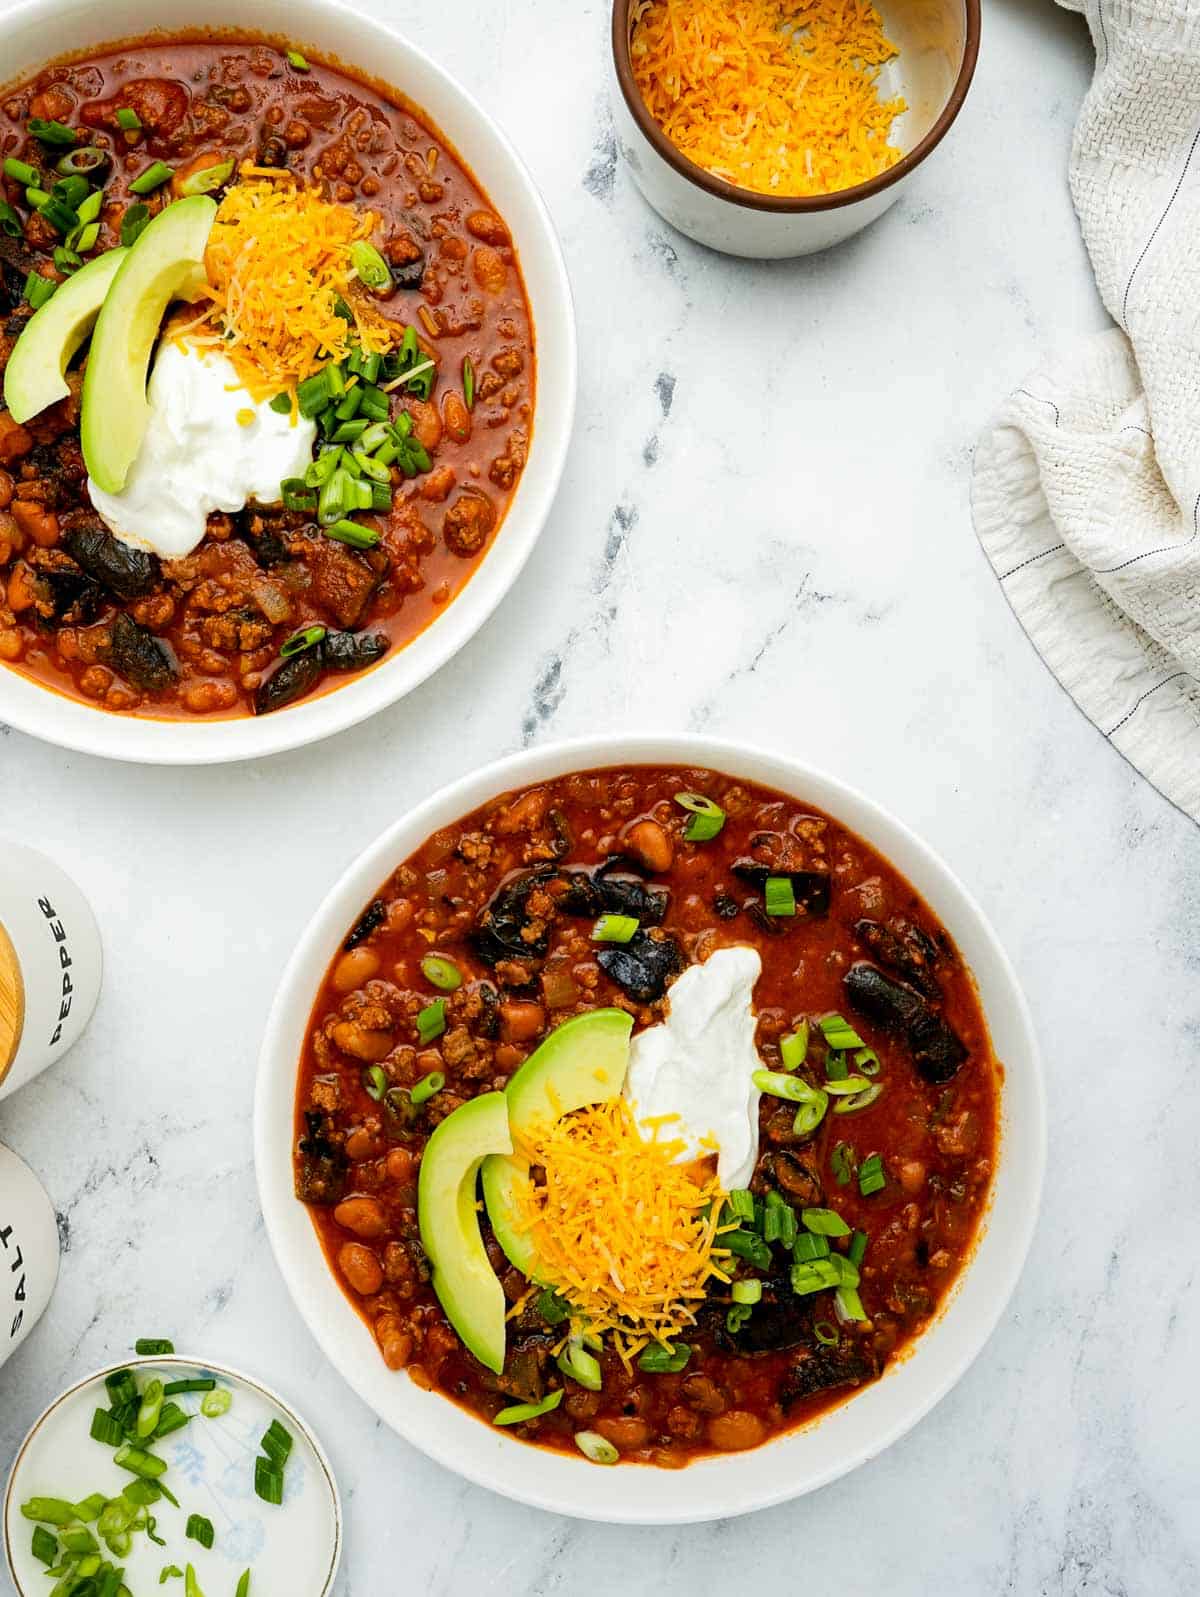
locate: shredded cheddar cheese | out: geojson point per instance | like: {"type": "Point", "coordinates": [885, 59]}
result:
{"type": "Point", "coordinates": [278, 261]}
{"type": "Point", "coordinates": [778, 96]}
{"type": "Point", "coordinates": [625, 1234]}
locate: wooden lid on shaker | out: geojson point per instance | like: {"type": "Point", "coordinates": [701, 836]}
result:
{"type": "Point", "coordinates": [12, 1003]}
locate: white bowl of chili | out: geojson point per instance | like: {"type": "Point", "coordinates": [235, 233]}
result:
{"type": "Point", "coordinates": [459, 587]}
{"type": "Point", "coordinates": [689, 71]}
{"type": "Point", "coordinates": [788, 1464]}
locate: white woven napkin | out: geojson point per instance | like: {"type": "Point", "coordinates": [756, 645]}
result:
{"type": "Point", "coordinates": [1086, 492]}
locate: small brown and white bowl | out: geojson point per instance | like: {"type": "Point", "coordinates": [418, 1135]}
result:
{"type": "Point", "coordinates": [938, 41]}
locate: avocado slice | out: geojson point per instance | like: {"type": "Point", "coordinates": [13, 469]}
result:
{"type": "Point", "coordinates": [463, 1278]}
{"type": "Point", "coordinates": [36, 375]}
{"type": "Point", "coordinates": [582, 1062]}
{"type": "Point", "coordinates": [166, 263]}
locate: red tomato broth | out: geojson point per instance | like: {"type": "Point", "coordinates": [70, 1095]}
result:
{"type": "Point", "coordinates": [373, 150]}
{"type": "Point", "coordinates": [938, 1143]}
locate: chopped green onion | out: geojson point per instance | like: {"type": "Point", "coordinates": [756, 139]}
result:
{"type": "Point", "coordinates": [839, 1033]}
{"type": "Point", "coordinates": [707, 817]}
{"type": "Point", "coordinates": [150, 1410]}
{"type": "Point", "coordinates": [78, 1539]}
{"type": "Point", "coordinates": [553, 1309]}
{"type": "Point", "coordinates": [658, 1360]}
{"type": "Point", "coordinates": [746, 1291]}
{"type": "Point", "coordinates": [857, 1249]}
{"type": "Point", "coordinates": [277, 1443]}
{"type": "Point", "coordinates": [428, 1085]}
{"type": "Point", "coordinates": [268, 1481]}
{"type": "Point", "coordinates": [105, 1429]}
{"type": "Point", "coordinates": [518, 1413]}
{"type": "Point", "coordinates": [295, 493]}
{"type": "Point", "coordinates": [431, 1021]}
{"type": "Point", "coordinates": [348, 431]}
{"type": "Point", "coordinates": [61, 216]}
{"type": "Point", "coordinates": [89, 206]}
{"type": "Point", "coordinates": [772, 1225]}
{"type": "Point", "coordinates": [441, 972]}
{"type": "Point", "coordinates": [816, 1276]}
{"type": "Point", "coordinates": [36, 198]}
{"type": "Point", "coordinates": [374, 1082]}
{"type": "Point", "coordinates": [243, 1585]}
{"type": "Point", "coordinates": [848, 1304]}
{"type": "Point", "coordinates": [88, 237]}
{"type": "Point", "coordinates": [736, 1316]}
{"type": "Point", "coordinates": [827, 1335]}
{"type": "Point", "coordinates": [371, 267]}
{"type": "Point", "coordinates": [780, 896]}
{"type": "Point", "coordinates": [842, 1162]}
{"type": "Point", "coordinates": [139, 1462]}
{"type": "Point", "coordinates": [836, 1068]}
{"type": "Point", "coordinates": [207, 179]}
{"type": "Point", "coordinates": [155, 175]}
{"type": "Point", "coordinates": [91, 1507]}
{"type": "Point", "coordinates": [21, 172]}
{"type": "Point", "coordinates": [191, 1586]}
{"type": "Point", "coordinates": [468, 382]}
{"type": "Point", "coordinates": [871, 1177]}
{"type": "Point", "coordinates": [149, 1347]}
{"type": "Point", "coordinates": [199, 1529]}
{"type": "Point", "coordinates": [141, 1493]}
{"type": "Point", "coordinates": [807, 1247]}
{"type": "Point", "coordinates": [52, 132]}
{"type": "Point", "coordinates": [350, 532]}
{"type": "Point", "coordinates": [745, 1245]}
{"type": "Point", "coordinates": [214, 1404]}
{"type": "Point", "coordinates": [369, 362]}
{"type": "Point", "coordinates": [376, 434]}
{"type": "Point", "coordinates": [72, 190]}
{"type": "Point", "coordinates": [38, 289]}
{"type": "Point", "coordinates": [10, 220]}
{"type": "Point", "coordinates": [121, 1387]}
{"type": "Point", "coordinates": [282, 403]}
{"type": "Point", "coordinates": [867, 1061]}
{"type": "Point", "coordinates": [778, 1085]}
{"type": "Point", "coordinates": [128, 120]}
{"type": "Point", "coordinates": [861, 1100]}
{"type": "Point", "coordinates": [297, 62]}
{"type": "Point", "coordinates": [614, 928]}
{"type": "Point", "coordinates": [741, 1203]}
{"type": "Point", "coordinates": [810, 1114]}
{"type": "Point", "coordinates": [45, 1546]}
{"type": "Point", "coordinates": [49, 1510]}
{"type": "Point", "coordinates": [193, 1383]}
{"type": "Point", "coordinates": [134, 223]}
{"type": "Point", "coordinates": [793, 1049]}
{"type": "Point", "coordinates": [312, 395]}
{"type": "Point", "coordinates": [848, 1086]}
{"type": "Point", "coordinates": [582, 1366]}
{"type": "Point", "coordinates": [824, 1223]}
{"type": "Point", "coordinates": [86, 161]}
{"type": "Point", "coordinates": [595, 1448]}
{"type": "Point", "coordinates": [305, 638]}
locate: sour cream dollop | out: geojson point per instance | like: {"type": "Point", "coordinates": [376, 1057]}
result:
{"type": "Point", "coordinates": [208, 446]}
{"type": "Point", "coordinates": [699, 1064]}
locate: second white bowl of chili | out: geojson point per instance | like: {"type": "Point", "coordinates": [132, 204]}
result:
{"type": "Point", "coordinates": [980, 1216]}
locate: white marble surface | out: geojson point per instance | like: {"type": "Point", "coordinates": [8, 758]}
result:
{"type": "Point", "coordinates": [764, 532]}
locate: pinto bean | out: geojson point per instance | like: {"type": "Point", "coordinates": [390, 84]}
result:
{"type": "Point", "coordinates": [401, 1166]}
{"type": "Point", "coordinates": [360, 1144]}
{"type": "Point", "coordinates": [652, 845]}
{"type": "Point", "coordinates": [363, 1216]}
{"type": "Point", "coordinates": [911, 1173]}
{"type": "Point", "coordinates": [625, 1432]}
{"type": "Point", "coordinates": [15, 440]}
{"type": "Point", "coordinates": [488, 227]}
{"type": "Point", "coordinates": [456, 417]}
{"type": "Point", "coordinates": [355, 968]}
{"type": "Point", "coordinates": [735, 1431]}
{"type": "Point", "coordinates": [521, 1021]}
{"type": "Point", "coordinates": [427, 423]}
{"type": "Point", "coordinates": [702, 1394]}
{"type": "Point", "coordinates": [6, 490]}
{"type": "Point", "coordinates": [438, 485]}
{"type": "Point", "coordinates": [362, 1270]}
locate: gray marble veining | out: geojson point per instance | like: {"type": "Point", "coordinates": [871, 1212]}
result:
{"type": "Point", "coordinates": [763, 532]}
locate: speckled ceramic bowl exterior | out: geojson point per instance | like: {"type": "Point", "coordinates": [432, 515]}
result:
{"type": "Point", "coordinates": [39, 30]}
{"type": "Point", "coordinates": [716, 1487]}
{"type": "Point", "coordinates": [938, 42]}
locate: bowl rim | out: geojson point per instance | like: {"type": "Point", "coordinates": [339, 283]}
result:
{"type": "Point", "coordinates": [301, 1261]}
{"type": "Point", "coordinates": [183, 1361]}
{"type": "Point", "coordinates": [41, 711]}
{"type": "Point", "coordinates": [794, 205]}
